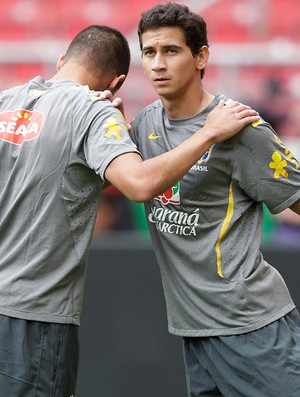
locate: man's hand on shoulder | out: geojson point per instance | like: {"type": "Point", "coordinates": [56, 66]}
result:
{"type": "Point", "coordinates": [227, 119]}
{"type": "Point", "coordinates": [117, 102]}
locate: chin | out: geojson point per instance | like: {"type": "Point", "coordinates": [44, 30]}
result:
{"type": "Point", "coordinates": [167, 95]}
{"type": "Point", "coordinates": [164, 92]}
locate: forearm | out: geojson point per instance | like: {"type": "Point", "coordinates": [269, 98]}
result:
{"type": "Point", "coordinates": [162, 172]}
{"type": "Point", "coordinates": [140, 181]}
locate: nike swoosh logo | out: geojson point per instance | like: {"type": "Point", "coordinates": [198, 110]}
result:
{"type": "Point", "coordinates": [153, 136]}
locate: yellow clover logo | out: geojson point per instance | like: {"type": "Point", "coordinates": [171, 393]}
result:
{"type": "Point", "coordinates": [278, 164]}
{"type": "Point", "coordinates": [113, 128]}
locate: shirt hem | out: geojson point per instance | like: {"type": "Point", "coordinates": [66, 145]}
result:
{"type": "Point", "coordinates": [234, 331]}
{"type": "Point", "coordinates": [40, 317]}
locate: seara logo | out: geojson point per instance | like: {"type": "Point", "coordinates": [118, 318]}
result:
{"type": "Point", "coordinates": [170, 196]}
{"type": "Point", "coordinates": [20, 125]}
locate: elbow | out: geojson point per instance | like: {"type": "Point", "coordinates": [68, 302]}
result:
{"type": "Point", "coordinates": [139, 196]}
{"type": "Point", "coordinates": [140, 192]}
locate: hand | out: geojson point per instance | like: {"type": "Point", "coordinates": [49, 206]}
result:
{"type": "Point", "coordinates": [117, 102]}
{"type": "Point", "coordinates": [227, 119]}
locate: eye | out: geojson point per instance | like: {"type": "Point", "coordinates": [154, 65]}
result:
{"type": "Point", "coordinates": [148, 52]}
{"type": "Point", "coordinates": [171, 51]}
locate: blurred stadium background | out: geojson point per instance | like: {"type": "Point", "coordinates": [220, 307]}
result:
{"type": "Point", "coordinates": [255, 58]}
{"type": "Point", "coordinates": [254, 43]}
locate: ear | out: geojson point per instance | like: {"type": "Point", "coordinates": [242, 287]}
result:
{"type": "Point", "coordinates": [116, 83]}
{"type": "Point", "coordinates": [203, 57]}
{"type": "Point", "coordinates": [60, 62]}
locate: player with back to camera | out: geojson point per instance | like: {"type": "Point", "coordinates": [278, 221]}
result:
{"type": "Point", "coordinates": [58, 144]}
{"type": "Point", "coordinates": [240, 328]}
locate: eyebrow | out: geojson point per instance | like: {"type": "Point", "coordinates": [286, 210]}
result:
{"type": "Point", "coordinates": [168, 46]}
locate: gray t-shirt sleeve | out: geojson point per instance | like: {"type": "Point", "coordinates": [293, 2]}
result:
{"type": "Point", "coordinates": [134, 130]}
{"type": "Point", "coordinates": [265, 169]}
{"type": "Point", "coordinates": [101, 134]}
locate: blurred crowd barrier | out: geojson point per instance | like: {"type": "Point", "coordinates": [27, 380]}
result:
{"type": "Point", "coordinates": [126, 349]}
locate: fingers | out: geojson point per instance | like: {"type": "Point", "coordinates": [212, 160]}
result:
{"type": "Point", "coordinates": [239, 110]}
{"type": "Point", "coordinates": [249, 119]}
{"type": "Point", "coordinates": [237, 106]}
{"type": "Point", "coordinates": [221, 104]}
{"type": "Point", "coordinates": [106, 94]}
{"type": "Point", "coordinates": [228, 118]}
{"type": "Point", "coordinates": [230, 105]}
{"type": "Point", "coordinates": [247, 116]}
{"type": "Point", "coordinates": [117, 102]}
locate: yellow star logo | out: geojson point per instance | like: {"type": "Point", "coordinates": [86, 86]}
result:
{"type": "Point", "coordinates": [113, 128]}
{"type": "Point", "coordinates": [278, 164]}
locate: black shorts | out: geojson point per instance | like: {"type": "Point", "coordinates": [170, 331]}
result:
{"type": "Point", "coordinates": [262, 363]}
{"type": "Point", "coordinates": [37, 359]}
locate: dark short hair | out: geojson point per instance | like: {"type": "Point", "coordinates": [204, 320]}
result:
{"type": "Point", "coordinates": [192, 25]}
{"type": "Point", "coordinates": [103, 49]}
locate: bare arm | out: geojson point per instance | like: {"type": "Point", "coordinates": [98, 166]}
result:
{"type": "Point", "coordinates": [142, 180]}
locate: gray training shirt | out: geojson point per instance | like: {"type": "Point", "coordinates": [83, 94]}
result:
{"type": "Point", "coordinates": [56, 141]}
{"type": "Point", "coordinates": [207, 228]}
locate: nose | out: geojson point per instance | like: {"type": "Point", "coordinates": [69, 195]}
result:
{"type": "Point", "coordinates": [158, 62]}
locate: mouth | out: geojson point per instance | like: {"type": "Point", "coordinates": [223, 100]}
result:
{"type": "Point", "coordinates": [160, 81]}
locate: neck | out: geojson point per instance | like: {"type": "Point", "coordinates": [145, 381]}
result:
{"type": "Point", "coordinates": [180, 108]}
{"type": "Point", "coordinates": [71, 72]}
{"type": "Point", "coordinates": [79, 74]}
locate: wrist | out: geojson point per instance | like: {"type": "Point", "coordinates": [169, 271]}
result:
{"type": "Point", "coordinates": [208, 134]}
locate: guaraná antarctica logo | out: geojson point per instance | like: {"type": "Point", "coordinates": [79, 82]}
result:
{"type": "Point", "coordinates": [171, 196]}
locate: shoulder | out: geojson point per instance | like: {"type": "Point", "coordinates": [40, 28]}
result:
{"type": "Point", "coordinates": [74, 91]}
{"type": "Point", "coordinates": [259, 132]}
{"type": "Point", "coordinates": [152, 110]}
{"type": "Point", "coordinates": [82, 101]}
{"type": "Point", "coordinates": [257, 139]}
{"type": "Point", "coordinates": [14, 92]}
